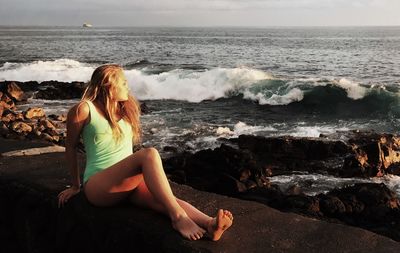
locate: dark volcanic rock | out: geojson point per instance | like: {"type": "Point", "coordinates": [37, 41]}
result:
{"type": "Point", "coordinates": [31, 222]}
{"type": "Point", "coordinates": [243, 171]}
{"type": "Point", "coordinates": [373, 155]}
{"type": "Point", "coordinates": [60, 90]}
{"type": "Point", "coordinates": [282, 154]}
{"type": "Point", "coordinates": [368, 205]}
{"type": "Point", "coordinates": [25, 86]}
{"type": "Point", "coordinates": [144, 108]}
{"type": "Point", "coordinates": [224, 170]}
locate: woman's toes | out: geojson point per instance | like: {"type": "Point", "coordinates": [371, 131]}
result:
{"type": "Point", "coordinates": [229, 214]}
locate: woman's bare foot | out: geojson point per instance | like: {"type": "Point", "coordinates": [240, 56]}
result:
{"type": "Point", "coordinates": [188, 228]}
{"type": "Point", "coordinates": [218, 225]}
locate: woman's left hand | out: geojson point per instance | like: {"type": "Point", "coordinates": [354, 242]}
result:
{"type": "Point", "coordinates": [65, 195]}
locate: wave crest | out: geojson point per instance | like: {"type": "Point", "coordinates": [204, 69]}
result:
{"type": "Point", "coordinates": [196, 85]}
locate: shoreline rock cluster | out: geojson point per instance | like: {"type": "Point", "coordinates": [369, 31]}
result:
{"type": "Point", "coordinates": [241, 169]}
{"type": "Point", "coordinates": [30, 124]}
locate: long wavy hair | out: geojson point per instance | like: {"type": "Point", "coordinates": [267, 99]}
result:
{"type": "Point", "coordinates": [101, 88]}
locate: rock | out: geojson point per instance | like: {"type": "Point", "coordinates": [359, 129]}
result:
{"type": "Point", "coordinates": [6, 102]}
{"type": "Point", "coordinates": [21, 127]}
{"type": "Point", "coordinates": [3, 129]}
{"type": "Point", "coordinates": [37, 132]}
{"type": "Point", "coordinates": [60, 90]}
{"type": "Point", "coordinates": [332, 206]}
{"type": "Point", "coordinates": [294, 190]}
{"type": "Point", "coordinates": [15, 92]}
{"type": "Point", "coordinates": [56, 138]}
{"type": "Point", "coordinates": [8, 116]}
{"type": "Point", "coordinates": [373, 155]}
{"type": "Point", "coordinates": [47, 137]}
{"type": "Point", "coordinates": [30, 216]}
{"type": "Point", "coordinates": [35, 112]}
{"type": "Point", "coordinates": [230, 186]}
{"type": "Point", "coordinates": [47, 124]}
{"type": "Point", "coordinates": [144, 109]}
{"type": "Point", "coordinates": [367, 205]}
{"type": "Point", "coordinates": [29, 86]}
{"type": "Point", "coordinates": [61, 117]}
{"type": "Point", "coordinates": [170, 149]}
{"type": "Point", "coordinates": [302, 204]}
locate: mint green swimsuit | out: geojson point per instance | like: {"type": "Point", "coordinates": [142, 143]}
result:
{"type": "Point", "coordinates": [102, 150]}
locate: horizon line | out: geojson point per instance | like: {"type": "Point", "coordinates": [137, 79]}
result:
{"type": "Point", "coordinates": [195, 26]}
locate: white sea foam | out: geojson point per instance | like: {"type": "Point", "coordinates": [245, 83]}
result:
{"type": "Point", "coordinates": [63, 70]}
{"type": "Point", "coordinates": [183, 84]}
{"type": "Point", "coordinates": [313, 184]}
{"type": "Point", "coordinates": [242, 128]}
{"type": "Point", "coordinates": [224, 131]}
{"type": "Point", "coordinates": [293, 95]}
{"type": "Point", "coordinates": [353, 89]}
{"type": "Point", "coordinates": [391, 181]}
{"type": "Point", "coordinates": [314, 131]}
{"type": "Point", "coordinates": [193, 86]}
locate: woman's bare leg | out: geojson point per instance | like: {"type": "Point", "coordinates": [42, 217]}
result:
{"type": "Point", "coordinates": [142, 197]}
{"type": "Point", "coordinates": [115, 183]}
{"type": "Point", "coordinates": [215, 227]}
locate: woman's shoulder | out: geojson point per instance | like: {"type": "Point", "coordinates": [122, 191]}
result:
{"type": "Point", "coordinates": [79, 111]}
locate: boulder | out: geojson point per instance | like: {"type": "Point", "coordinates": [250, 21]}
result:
{"type": "Point", "coordinates": [3, 129]}
{"type": "Point", "coordinates": [21, 127]}
{"type": "Point", "coordinates": [47, 124]}
{"type": "Point", "coordinates": [372, 155]}
{"type": "Point", "coordinates": [6, 102]}
{"type": "Point", "coordinates": [15, 92]}
{"type": "Point", "coordinates": [9, 116]}
{"type": "Point", "coordinates": [35, 112]}
{"type": "Point", "coordinates": [144, 108]}
{"type": "Point", "coordinates": [60, 90]}
{"type": "Point", "coordinates": [61, 117]}
{"type": "Point", "coordinates": [29, 86]}
{"type": "Point", "coordinates": [47, 137]}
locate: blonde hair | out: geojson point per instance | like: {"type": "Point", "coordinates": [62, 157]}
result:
{"type": "Point", "coordinates": [101, 87]}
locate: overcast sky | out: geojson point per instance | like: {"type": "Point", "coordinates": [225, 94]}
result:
{"type": "Point", "coordinates": [201, 12]}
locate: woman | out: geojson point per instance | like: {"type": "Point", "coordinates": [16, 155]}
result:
{"type": "Point", "coordinates": [108, 120]}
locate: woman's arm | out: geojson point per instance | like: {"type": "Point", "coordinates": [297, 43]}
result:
{"type": "Point", "coordinates": [77, 116]}
{"type": "Point", "coordinates": [76, 120]}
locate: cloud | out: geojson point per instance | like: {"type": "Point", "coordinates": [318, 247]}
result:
{"type": "Point", "coordinates": [200, 12]}
{"type": "Point", "coordinates": [180, 5]}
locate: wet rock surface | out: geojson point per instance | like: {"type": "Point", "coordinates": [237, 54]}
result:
{"type": "Point", "coordinates": [242, 169]}
{"type": "Point", "coordinates": [31, 222]}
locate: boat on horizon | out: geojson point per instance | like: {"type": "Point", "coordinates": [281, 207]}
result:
{"type": "Point", "coordinates": [86, 25]}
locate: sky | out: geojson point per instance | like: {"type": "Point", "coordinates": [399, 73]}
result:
{"type": "Point", "coordinates": [201, 12]}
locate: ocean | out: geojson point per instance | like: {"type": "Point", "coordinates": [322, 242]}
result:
{"type": "Point", "coordinates": [204, 84]}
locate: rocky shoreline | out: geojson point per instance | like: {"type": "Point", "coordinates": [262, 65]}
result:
{"type": "Point", "coordinates": [241, 167]}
